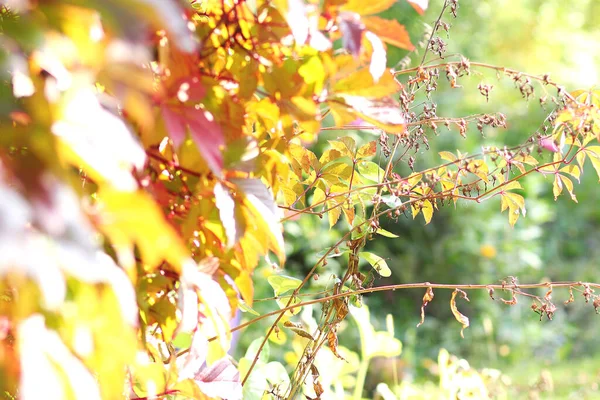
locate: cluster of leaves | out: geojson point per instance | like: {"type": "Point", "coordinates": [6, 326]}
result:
{"type": "Point", "coordinates": [143, 146]}
{"type": "Point", "coordinates": [150, 150]}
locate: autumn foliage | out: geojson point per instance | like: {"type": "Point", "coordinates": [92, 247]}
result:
{"type": "Point", "coordinates": [150, 151]}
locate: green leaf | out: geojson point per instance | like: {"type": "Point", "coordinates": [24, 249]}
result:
{"type": "Point", "coordinates": [253, 349]}
{"type": "Point", "coordinates": [370, 170]}
{"type": "Point", "coordinates": [378, 263]}
{"type": "Point", "coordinates": [385, 233]}
{"type": "Point", "coordinates": [359, 228]}
{"type": "Point", "coordinates": [183, 340]}
{"type": "Point", "coordinates": [246, 308]}
{"type": "Point", "coordinates": [282, 302]}
{"type": "Point", "coordinates": [282, 283]}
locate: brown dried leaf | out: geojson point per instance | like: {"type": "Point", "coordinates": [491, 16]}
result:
{"type": "Point", "coordinates": [298, 329]}
{"type": "Point", "coordinates": [427, 297]}
{"type": "Point", "coordinates": [587, 292]}
{"type": "Point", "coordinates": [341, 308]}
{"type": "Point", "coordinates": [571, 298]}
{"type": "Point", "coordinates": [332, 340]}
{"type": "Point", "coordinates": [596, 304]}
{"type": "Point", "coordinates": [316, 384]}
{"type": "Point", "coordinates": [464, 321]}
{"type": "Point", "coordinates": [548, 295]}
{"type": "Point", "coordinates": [512, 301]}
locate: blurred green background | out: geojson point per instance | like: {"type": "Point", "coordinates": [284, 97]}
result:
{"type": "Point", "coordinates": [474, 243]}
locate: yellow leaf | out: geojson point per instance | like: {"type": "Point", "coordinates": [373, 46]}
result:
{"type": "Point", "coordinates": [446, 155]}
{"type": "Point", "coordinates": [513, 216]}
{"type": "Point", "coordinates": [363, 7]}
{"type": "Point", "coordinates": [390, 31]}
{"type": "Point", "coordinates": [367, 150]}
{"type": "Point", "coordinates": [133, 218]}
{"type": "Point", "coordinates": [572, 170]}
{"type": "Point", "coordinates": [261, 205]}
{"type": "Point", "coordinates": [342, 115]}
{"type": "Point", "coordinates": [313, 73]}
{"type": "Point", "coordinates": [557, 186]}
{"type": "Point", "coordinates": [329, 155]}
{"type": "Point", "coordinates": [427, 210]}
{"type": "Point", "coordinates": [349, 214]}
{"type": "Point", "coordinates": [512, 185]}
{"type": "Point", "coordinates": [596, 164]}
{"type": "Point", "coordinates": [569, 185]}
{"type": "Point", "coordinates": [346, 145]}
{"type": "Point", "coordinates": [361, 83]}
{"type": "Point", "coordinates": [333, 214]}
{"type": "Point", "coordinates": [516, 201]}
{"type": "Point", "coordinates": [527, 159]}
{"type": "Point", "coordinates": [463, 320]}
{"type": "Point", "coordinates": [318, 196]}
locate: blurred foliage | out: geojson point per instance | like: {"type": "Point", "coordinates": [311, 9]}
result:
{"type": "Point", "coordinates": [150, 152]}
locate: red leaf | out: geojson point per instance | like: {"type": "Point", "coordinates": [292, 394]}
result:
{"type": "Point", "coordinates": [208, 137]}
{"type": "Point", "coordinates": [175, 124]}
{"type": "Point", "coordinates": [204, 130]}
{"type": "Point", "coordinates": [419, 5]}
{"type": "Point", "coordinates": [352, 29]}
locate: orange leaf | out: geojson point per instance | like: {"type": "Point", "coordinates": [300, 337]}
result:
{"type": "Point", "coordinates": [390, 31]}
{"type": "Point", "coordinates": [419, 5]}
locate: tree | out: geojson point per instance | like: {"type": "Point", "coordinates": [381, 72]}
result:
{"type": "Point", "coordinates": [148, 150]}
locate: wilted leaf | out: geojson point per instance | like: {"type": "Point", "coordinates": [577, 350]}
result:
{"type": "Point", "coordinates": [463, 320]}
{"type": "Point", "coordinates": [298, 329]}
{"type": "Point", "coordinates": [427, 297]}
{"type": "Point", "coordinates": [332, 341]}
